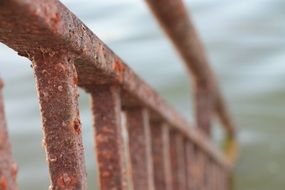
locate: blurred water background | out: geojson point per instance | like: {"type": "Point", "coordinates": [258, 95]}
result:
{"type": "Point", "coordinates": [245, 44]}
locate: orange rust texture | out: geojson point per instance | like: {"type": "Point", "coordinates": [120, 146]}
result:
{"type": "Point", "coordinates": [58, 97]}
{"type": "Point", "coordinates": [118, 66]}
{"type": "Point", "coordinates": [106, 107]}
{"type": "Point", "coordinates": [160, 155]}
{"type": "Point", "coordinates": [140, 148]}
{"type": "Point", "coordinates": [8, 169]}
{"type": "Point", "coordinates": [178, 160]}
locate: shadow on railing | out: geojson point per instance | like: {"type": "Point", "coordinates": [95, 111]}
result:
{"type": "Point", "coordinates": [160, 150]}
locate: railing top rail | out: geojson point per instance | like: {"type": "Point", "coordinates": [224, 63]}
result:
{"type": "Point", "coordinates": [173, 17]}
{"type": "Point", "coordinates": [47, 27]}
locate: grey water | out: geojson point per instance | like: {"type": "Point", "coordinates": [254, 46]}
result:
{"type": "Point", "coordinates": [245, 45]}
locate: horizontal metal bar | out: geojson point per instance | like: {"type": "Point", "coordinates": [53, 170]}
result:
{"type": "Point", "coordinates": [173, 17]}
{"type": "Point", "coordinates": [35, 26]}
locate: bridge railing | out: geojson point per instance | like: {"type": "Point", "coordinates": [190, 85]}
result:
{"type": "Point", "coordinates": [141, 142]}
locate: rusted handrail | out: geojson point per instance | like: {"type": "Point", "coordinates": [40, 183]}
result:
{"type": "Point", "coordinates": [66, 54]}
{"type": "Point", "coordinates": [173, 17]}
{"type": "Point", "coordinates": [56, 29]}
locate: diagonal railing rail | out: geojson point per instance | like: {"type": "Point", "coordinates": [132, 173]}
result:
{"type": "Point", "coordinates": [174, 19]}
{"type": "Point", "coordinates": [161, 150]}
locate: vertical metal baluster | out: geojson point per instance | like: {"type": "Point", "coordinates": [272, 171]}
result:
{"type": "Point", "coordinates": [201, 169]}
{"type": "Point", "coordinates": [212, 175]}
{"type": "Point", "coordinates": [177, 156]}
{"type": "Point", "coordinates": [225, 179]}
{"type": "Point", "coordinates": [214, 180]}
{"type": "Point", "coordinates": [208, 176]}
{"type": "Point", "coordinates": [127, 156]}
{"type": "Point", "coordinates": [140, 148]}
{"type": "Point", "coordinates": [229, 180]}
{"type": "Point", "coordinates": [190, 162]}
{"type": "Point", "coordinates": [160, 155]}
{"type": "Point", "coordinates": [222, 179]}
{"type": "Point", "coordinates": [217, 177]}
{"type": "Point", "coordinates": [8, 169]}
{"type": "Point", "coordinates": [106, 106]}
{"type": "Point", "coordinates": [56, 80]}
{"type": "Point", "coordinates": [220, 182]}
{"type": "Point", "coordinates": [166, 155]}
{"type": "Point", "coordinates": [205, 173]}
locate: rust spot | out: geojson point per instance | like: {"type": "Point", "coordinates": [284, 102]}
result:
{"type": "Point", "coordinates": [3, 183]}
{"type": "Point", "coordinates": [76, 126]}
{"type": "Point", "coordinates": [75, 80]}
{"type": "Point", "coordinates": [60, 67]}
{"type": "Point", "coordinates": [118, 66]}
{"type": "Point", "coordinates": [66, 181]}
{"type": "Point", "coordinates": [55, 18]}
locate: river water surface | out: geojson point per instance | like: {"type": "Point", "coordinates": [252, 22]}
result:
{"type": "Point", "coordinates": [245, 44]}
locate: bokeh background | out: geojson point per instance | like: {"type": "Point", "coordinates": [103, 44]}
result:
{"type": "Point", "coordinates": [245, 44]}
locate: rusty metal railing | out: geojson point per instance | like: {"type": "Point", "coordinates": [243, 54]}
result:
{"type": "Point", "coordinates": [173, 17]}
{"type": "Point", "coordinates": [160, 150]}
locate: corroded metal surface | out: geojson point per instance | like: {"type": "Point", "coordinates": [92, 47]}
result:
{"type": "Point", "coordinates": [173, 17]}
{"type": "Point", "coordinates": [106, 107]}
{"type": "Point", "coordinates": [56, 81]}
{"type": "Point", "coordinates": [140, 148]}
{"type": "Point", "coordinates": [8, 169]}
{"type": "Point", "coordinates": [160, 155]}
{"type": "Point", "coordinates": [61, 47]}
{"type": "Point", "coordinates": [48, 26]}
